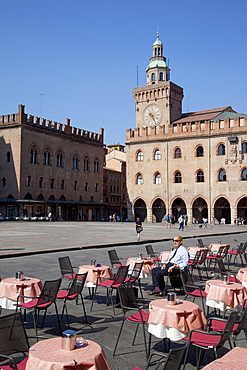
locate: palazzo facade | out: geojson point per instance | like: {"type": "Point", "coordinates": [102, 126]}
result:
{"type": "Point", "coordinates": [192, 163]}
{"type": "Point", "coordinates": [46, 166]}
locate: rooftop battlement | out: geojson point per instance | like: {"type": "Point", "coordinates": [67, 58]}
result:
{"type": "Point", "coordinates": [22, 118]}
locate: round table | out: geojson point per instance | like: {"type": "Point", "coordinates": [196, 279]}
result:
{"type": "Point", "coordinates": [192, 250]}
{"type": "Point", "coordinates": [242, 276]}
{"type": "Point", "coordinates": [174, 322]}
{"type": "Point", "coordinates": [222, 296]}
{"type": "Point", "coordinates": [94, 272]}
{"type": "Point", "coordinates": [148, 265]}
{"type": "Point", "coordinates": [214, 247]}
{"type": "Point", "coordinates": [11, 288]}
{"type": "Point", "coordinates": [48, 355]}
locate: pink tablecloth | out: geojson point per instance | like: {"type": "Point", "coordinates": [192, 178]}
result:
{"type": "Point", "coordinates": [242, 274]}
{"type": "Point", "coordinates": [95, 272]}
{"type": "Point", "coordinates": [148, 264]}
{"type": "Point", "coordinates": [215, 247]}
{"type": "Point", "coordinates": [184, 316]}
{"type": "Point", "coordinates": [164, 256]}
{"type": "Point", "coordinates": [231, 294]}
{"type": "Point", "coordinates": [11, 288]}
{"type": "Point", "coordinates": [48, 355]}
{"type": "Point", "coordinates": [192, 250]}
{"type": "Point", "coordinates": [233, 360]}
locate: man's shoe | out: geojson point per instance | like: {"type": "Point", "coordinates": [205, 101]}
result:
{"type": "Point", "coordinates": [159, 294]}
{"type": "Point", "coordinates": [153, 292]}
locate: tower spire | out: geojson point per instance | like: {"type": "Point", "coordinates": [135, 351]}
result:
{"type": "Point", "coordinates": [158, 70]}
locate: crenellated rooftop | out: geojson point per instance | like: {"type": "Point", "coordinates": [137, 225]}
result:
{"type": "Point", "coordinates": [22, 118]}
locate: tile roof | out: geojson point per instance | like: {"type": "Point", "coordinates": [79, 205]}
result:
{"type": "Point", "coordinates": [203, 115]}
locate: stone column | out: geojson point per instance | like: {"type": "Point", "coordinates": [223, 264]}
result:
{"type": "Point", "coordinates": [234, 214]}
{"type": "Point", "coordinates": [189, 214]}
{"type": "Point", "coordinates": [149, 215]}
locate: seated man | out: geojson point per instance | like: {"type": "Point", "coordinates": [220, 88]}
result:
{"type": "Point", "coordinates": [178, 260]}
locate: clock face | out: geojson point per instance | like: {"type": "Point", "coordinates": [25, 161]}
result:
{"type": "Point", "coordinates": [152, 115]}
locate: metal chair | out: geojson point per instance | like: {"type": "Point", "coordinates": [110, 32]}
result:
{"type": "Point", "coordinates": [114, 259]}
{"type": "Point", "coordinates": [224, 271]}
{"type": "Point", "coordinates": [218, 324]}
{"type": "Point", "coordinates": [190, 289]}
{"type": "Point", "coordinates": [73, 292]}
{"type": "Point", "coordinates": [66, 268]}
{"type": "Point", "coordinates": [43, 302]}
{"type": "Point", "coordinates": [204, 340]}
{"type": "Point", "coordinates": [167, 361]}
{"type": "Point", "coordinates": [111, 284]}
{"type": "Point", "coordinates": [236, 253]}
{"type": "Point", "coordinates": [132, 312]}
{"type": "Point", "coordinates": [135, 276]}
{"type": "Point", "coordinates": [214, 257]}
{"type": "Point", "coordinates": [14, 340]}
{"type": "Point", "coordinates": [152, 254]}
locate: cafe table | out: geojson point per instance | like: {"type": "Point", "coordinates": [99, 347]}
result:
{"type": "Point", "coordinates": [214, 247]}
{"type": "Point", "coordinates": [193, 250]}
{"type": "Point", "coordinates": [174, 321]}
{"type": "Point", "coordinates": [232, 360]}
{"type": "Point", "coordinates": [222, 296]}
{"type": "Point", "coordinates": [11, 288]}
{"type": "Point", "coordinates": [242, 276]}
{"type": "Point", "coordinates": [48, 355]}
{"type": "Point", "coordinates": [148, 265]}
{"type": "Point", "coordinates": [94, 272]}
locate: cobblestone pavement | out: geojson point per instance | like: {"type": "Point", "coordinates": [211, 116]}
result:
{"type": "Point", "coordinates": [34, 247]}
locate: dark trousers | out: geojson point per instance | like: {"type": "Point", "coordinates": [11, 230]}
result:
{"type": "Point", "coordinates": [158, 275]}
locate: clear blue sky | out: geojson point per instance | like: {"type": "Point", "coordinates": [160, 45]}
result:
{"type": "Point", "coordinates": [83, 56]}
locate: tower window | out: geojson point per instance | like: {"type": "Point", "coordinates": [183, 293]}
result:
{"type": "Point", "coordinates": [28, 181]}
{"type": "Point", "coordinates": [199, 151]}
{"type": "Point", "coordinates": [75, 162]}
{"type": "Point", "coordinates": [33, 154]}
{"type": "Point", "coordinates": [178, 177]}
{"type": "Point", "coordinates": [244, 175]}
{"type": "Point", "coordinates": [59, 159]}
{"type": "Point", "coordinates": [221, 149]}
{"type": "Point", "coordinates": [139, 179]}
{"type": "Point", "coordinates": [139, 156]}
{"type": "Point", "coordinates": [161, 76]}
{"type": "Point", "coordinates": [157, 154]}
{"type": "Point", "coordinates": [222, 175]}
{"type": "Point", "coordinates": [200, 176]}
{"type": "Point", "coordinates": [153, 77]}
{"type": "Point", "coordinates": [177, 153]}
{"type": "Point", "coordinates": [157, 178]}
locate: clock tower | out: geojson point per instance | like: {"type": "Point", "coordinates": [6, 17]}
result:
{"type": "Point", "coordinates": [160, 101]}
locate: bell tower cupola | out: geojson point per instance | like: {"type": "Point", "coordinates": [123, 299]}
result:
{"type": "Point", "coordinates": [158, 70]}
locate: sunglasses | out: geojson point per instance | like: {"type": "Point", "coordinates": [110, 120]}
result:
{"type": "Point", "coordinates": [177, 240]}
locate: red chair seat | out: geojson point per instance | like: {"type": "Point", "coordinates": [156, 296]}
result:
{"type": "Point", "coordinates": [62, 294]}
{"type": "Point", "coordinates": [29, 304]}
{"type": "Point", "coordinates": [233, 252]}
{"type": "Point", "coordinates": [20, 366]}
{"type": "Point", "coordinates": [203, 339]}
{"type": "Point", "coordinates": [233, 279]}
{"type": "Point", "coordinates": [136, 368]}
{"type": "Point", "coordinates": [137, 317]}
{"type": "Point", "coordinates": [69, 276]}
{"type": "Point", "coordinates": [198, 293]}
{"type": "Point", "coordinates": [218, 325]}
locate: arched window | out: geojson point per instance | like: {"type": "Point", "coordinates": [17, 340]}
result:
{"type": "Point", "coordinates": [221, 149]}
{"type": "Point", "coordinates": [200, 176]}
{"type": "Point", "coordinates": [33, 153]}
{"type": "Point", "coordinates": [60, 159]}
{"type": "Point", "coordinates": [199, 151]}
{"type": "Point", "coordinates": [4, 181]}
{"type": "Point", "coordinates": [47, 157]}
{"type": "Point", "coordinates": [222, 175]}
{"type": "Point", "coordinates": [86, 164]}
{"type": "Point", "coordinates": [86, 186]}
{"type": "Point", "coordinates": [139, 156]}
{"type": "Point", "coordinates": [178, 177]}
{"type": "Point", "coordinates": [8, 156]}
{"type": "Point", "coordinates": [157, 154]}
{"type": "Point", "coordinates": [244, 175]}
{"type": "Point", "coordinates": [157, 178]}
{"type": "Point", "coordinates": [75, 161]}
{"type": "Point", "coordinates": [96, 165]}
{"type": "Point", "coordinates": [153, 77]}
{"type": "Point", "coordinates": [161, 76]}
{"type": "Point", "coordinates": [177, 153]}
{"type": "Point", "coordinates": [244, 148]}
{"type": "Point", "coordinates": [139, 179]}
{"type": "Point", "coordinates": [96, 187]}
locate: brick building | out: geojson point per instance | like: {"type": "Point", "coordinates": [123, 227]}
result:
{"type": "Point", "coordinates": [193, 163]}
{"type": "Point", "coordinates": [47, 166]}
